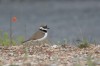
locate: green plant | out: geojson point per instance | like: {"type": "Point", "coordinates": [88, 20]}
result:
{"type": "Point", "coordinates": [95, 42]}
{"type": "Point", "coordinates": [83, 44]}
{"type": "Point", "coordinates": [77, 64]}
{"type": "Point", "coordinates": [26, 53]}
{"type": "Point", "coordinates": [13, 65]}
{"type": "Point", "coordinates": [0, 36]}
{"type": "Point", "coordinates": [20, 39]}
{"type": "Point", "coordinates": [90, 62]}
{"type": "Point", "coordinates": [5, 40]}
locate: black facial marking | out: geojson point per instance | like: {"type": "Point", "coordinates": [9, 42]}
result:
{"type": "Point", "coordinates": [44, 26]}
{"type": "Point", "coordinates": [43, 30]}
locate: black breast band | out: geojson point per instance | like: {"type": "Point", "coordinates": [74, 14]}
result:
{"type": "Point", "coordinates": [44, 30]}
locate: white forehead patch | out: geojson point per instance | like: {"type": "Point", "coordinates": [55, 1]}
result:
{"type": "Point", "coordinates": [42, 28]}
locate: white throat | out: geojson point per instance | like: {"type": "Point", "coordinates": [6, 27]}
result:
{"type": "Point", "coordinates": [42, 37]}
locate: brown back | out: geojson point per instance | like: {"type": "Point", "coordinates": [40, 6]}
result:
{"type": "Point", "coordinates": [37, 35]}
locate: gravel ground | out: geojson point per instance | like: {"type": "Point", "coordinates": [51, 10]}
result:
{"type": "Point", "coordinates": [49, 55]}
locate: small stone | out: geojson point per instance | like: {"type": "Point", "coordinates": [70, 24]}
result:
{"type": "Point", "coordinates": [27, 64]}
{"type": "Point", "coordinates": [54, 46]}
{"type": "Point", "coordinates": [98, 63]}
{"type": "Point", "coordinates": [13, 65]}
{"type": "Point", "coordinates": [53, 65]}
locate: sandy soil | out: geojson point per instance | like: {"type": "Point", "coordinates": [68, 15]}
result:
{"type": "Point", "coordinates": [49, 55]}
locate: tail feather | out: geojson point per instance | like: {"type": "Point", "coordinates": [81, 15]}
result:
{"type": "Point", "coordinates": [25, 41]}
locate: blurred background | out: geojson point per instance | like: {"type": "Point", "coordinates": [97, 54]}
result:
{"type": "Point", "coordinates": [69, 20]}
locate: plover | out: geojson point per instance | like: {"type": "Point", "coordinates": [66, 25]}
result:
{"type": "Point", "coordinates": [40, 35]}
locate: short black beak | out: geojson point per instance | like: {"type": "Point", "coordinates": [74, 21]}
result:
{"type": "Point", "coordinates": [48, 28]}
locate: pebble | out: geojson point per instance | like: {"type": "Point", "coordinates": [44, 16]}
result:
{"type": "Point", "coordinates": [58, 56]}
